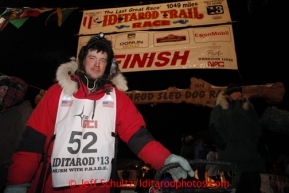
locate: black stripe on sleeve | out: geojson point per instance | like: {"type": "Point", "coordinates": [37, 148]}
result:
{"type": "Point", "coordinates": [139, 140]}
{"type": "Point", "coordinates": [33, 141]}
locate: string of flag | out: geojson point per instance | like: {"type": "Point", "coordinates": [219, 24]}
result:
{"type": "Point", "coordinates": [18, 16]}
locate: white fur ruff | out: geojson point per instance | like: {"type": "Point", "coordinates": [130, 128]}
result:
{"type": "Point", "coordinates": [63, 77]}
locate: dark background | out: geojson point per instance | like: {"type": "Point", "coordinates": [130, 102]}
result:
{"type": "Point", "coordinates": [34, 52]}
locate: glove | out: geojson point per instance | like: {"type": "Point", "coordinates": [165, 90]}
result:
{"type": "Point", "coordinates": [17, 188]}
{"type": "Point", "coordinates": [183, 170]}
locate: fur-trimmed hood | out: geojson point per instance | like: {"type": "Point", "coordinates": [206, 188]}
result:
{"type": "Point", "coordinates": [66, 71]}
{"type": "Point", "coordinates": [224, 100]}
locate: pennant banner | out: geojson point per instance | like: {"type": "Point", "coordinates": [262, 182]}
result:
{"type": "Point", "coordinates": [155, 16]}
{"type": "Point", "coordinates": [192, 48]}
{"type": "Point", "coordinates": [18, 16]}
{"type": "Point", "coordinates": [62, 14]}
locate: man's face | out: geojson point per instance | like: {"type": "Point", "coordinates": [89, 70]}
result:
{"type": "Point", "coordinates": [236, 96]}
{"type": "Point", "coordinates": [3, 91]}
{"type": "Point", "coordinates": [95, 64]}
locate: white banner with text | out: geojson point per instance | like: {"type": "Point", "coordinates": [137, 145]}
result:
{"type": "Point", "coordinates": [192, 48]}
{"type": "Point", "coordinates": [155, 16]}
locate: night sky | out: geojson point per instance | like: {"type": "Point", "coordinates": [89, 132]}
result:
{"type": "Point", "coordinates": [34, 52]}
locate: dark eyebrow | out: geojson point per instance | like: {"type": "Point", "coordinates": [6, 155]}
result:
{"type": "Point", "coordinates": [91, 55]}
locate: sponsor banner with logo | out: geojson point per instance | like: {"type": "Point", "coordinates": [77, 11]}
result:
{"type": "Point", "coordinates": [155, 16]}
{"type": "Point", "coordinates": [192, 48]}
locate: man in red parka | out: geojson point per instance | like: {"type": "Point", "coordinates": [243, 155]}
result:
{"type": "Point", "coordinates": [69, 142]}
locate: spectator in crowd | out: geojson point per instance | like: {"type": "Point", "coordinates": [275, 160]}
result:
{"type": "Point", "coordinates": [213, 169]}
{"type": "Point", "coordinates": [200, 152]}
{"type": "Point", "coordinates": [187, 148]}
{"type": "Point", "coordinates": [235, 128]}
{"type": "Point", "coordinates": [126, 172]}
{"type": "Point", "coordinates": [14, 113]}
{"type": "Point", "coordinates": [193, 147]}
{"type": "Point", "coordinates": [75, 126]}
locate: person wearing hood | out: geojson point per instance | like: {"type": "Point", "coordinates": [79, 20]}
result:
{"type": "Point", "coordinates": [70, 142]}
{"type": "Point", "coordinates": [14, 113]}
{"type": "Point", "coordinates": [236, 129]}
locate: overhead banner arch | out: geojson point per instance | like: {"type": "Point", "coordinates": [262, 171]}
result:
{"type": "Point", "coordinates": [200, 93]}
{"type": "Point", "coordinates": [203, 93]}
{"type": "Point", "coordinates": [210, 47]}
{"type": "Point", "coordinates": [155, 16]}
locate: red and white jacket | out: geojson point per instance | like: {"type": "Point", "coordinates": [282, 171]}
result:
{"type": "Point", "coordinates": [130, 127]}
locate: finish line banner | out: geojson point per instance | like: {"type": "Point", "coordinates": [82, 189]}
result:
{"type": "Point", "coordinates": [193, 48]}
{"type": "Point", "coordinates": [155, 16]}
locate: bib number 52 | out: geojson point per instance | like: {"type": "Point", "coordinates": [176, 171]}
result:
{"type": "Point", "coordinates": [86, 149]}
